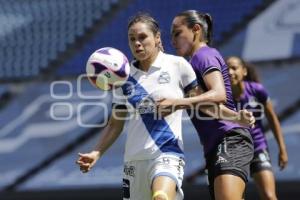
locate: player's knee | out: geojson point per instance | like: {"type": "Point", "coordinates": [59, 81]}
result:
{"type": "Point", "coordinates": [269, 195]}
{"type": "Point", "coordinates": [160, 195]}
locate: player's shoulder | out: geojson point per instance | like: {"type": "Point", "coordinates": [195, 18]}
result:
{"type": "Point", "coordinates": [205, 54]}
{"type": "Point", "coordinates": [255, 86]}
{"type": "Point", "coordinates": [174, 58]}
{"type": "Point", "coordinates": [175, 61]}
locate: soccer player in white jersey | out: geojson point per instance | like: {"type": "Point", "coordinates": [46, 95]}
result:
{"type": "Point", "coordinates": [154, 159]}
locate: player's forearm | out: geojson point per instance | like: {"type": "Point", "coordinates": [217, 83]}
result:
{"type": "Point", "coordinates": [219, 111]}
{"type": "Point", "coordinates": [277, 132]}
{"type": "Point", "coordinates": [276, 129]}
{"type": "Point", "coordinates": [274, 125]}
{"type": "Point", "coordinates": [228, 114]}
{"type": "Point", "coordinates": [208, 98]}
{"type": "Point", "coordinates": [108, 137]}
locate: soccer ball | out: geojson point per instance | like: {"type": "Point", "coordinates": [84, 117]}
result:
{"type": "Point", "coordinates": [107, 68]}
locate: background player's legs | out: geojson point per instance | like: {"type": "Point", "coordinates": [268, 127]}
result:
{"type": "Point", "coordinates": [265, 183]}
{"type": "Point", "coordinates": [166, 185]}
{"type": "Point", "coordinates": [229, 187]}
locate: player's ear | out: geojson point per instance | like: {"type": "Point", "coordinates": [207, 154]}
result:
{"type": "Point", "coordinates": [245, 71]}
{"type": "Point", "coordinates": [196, 28]}
{"type": "Point", "coordinates": [197, 32]}
{"type": "Point", "coordinates": [157, 38]}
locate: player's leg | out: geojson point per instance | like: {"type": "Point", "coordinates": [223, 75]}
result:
{"type": "Point", "coordinates": [229, 187]}
{"type": "Point", "coordinates": [164, 188]}
{"type": "Point", "coordinates": [167, 175]}
{"type": "Point", "coordinates": [261, 172]}
{"type": "Point", "coordinates": [265, 182]}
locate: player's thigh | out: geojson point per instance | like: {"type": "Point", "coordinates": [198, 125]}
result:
{"type": "Point", "coordinates": [265, 182]}
{"type": "Point", "coordinates": [229, 186]}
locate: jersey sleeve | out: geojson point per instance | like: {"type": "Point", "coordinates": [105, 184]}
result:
{"type": "Point", "coordinates": [261, 93]}
{"type": "Point", "coordinates": [187, 75]}
{"type": "Point", "coordinates": [203, 64]}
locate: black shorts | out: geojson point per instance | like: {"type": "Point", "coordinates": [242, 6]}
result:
{"type": "Point", "coordinates": [232, 156]}
{"type": "Point", "coordinates": [261, 161]}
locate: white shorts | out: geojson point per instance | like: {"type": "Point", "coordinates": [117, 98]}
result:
{"type": "Point", "coordinates": [139, 175]}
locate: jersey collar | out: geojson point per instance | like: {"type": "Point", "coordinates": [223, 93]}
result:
{"type": "Point", "coordinates": [156, 64]}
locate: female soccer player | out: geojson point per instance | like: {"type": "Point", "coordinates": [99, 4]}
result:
{"type": "Point", "coordinates": [154, 159]}
{"type": "Point", "coordinates": [228, 147]}
{"type": "Point", "coordinates": [249, 93]}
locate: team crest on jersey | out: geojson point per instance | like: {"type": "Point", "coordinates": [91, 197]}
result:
{"type": "Point", "coordinates": [164, 77]}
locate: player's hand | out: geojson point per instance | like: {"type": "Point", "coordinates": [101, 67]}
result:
{"type": "Point", "coordinates": [282, 159]}
{"type": "Point", "coordinates": [165, 107]}
{"type": "Point", "coordinates": [246, 118]}
{"type": "Point", "coordinates": [87, 160]}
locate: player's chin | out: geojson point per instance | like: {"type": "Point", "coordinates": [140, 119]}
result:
{"type": "Point", "coordinates": [180, 52]}
{"type": "Point", "coordinates": [84, 171]}
{"type": "Point", "coordinates": [140, 56]}
{"type": "Point", "coordinates": [234, 82]}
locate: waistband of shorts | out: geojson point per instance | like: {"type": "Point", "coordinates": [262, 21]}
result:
{"type": "Point", "coordinates": [240, 131]}
{"type": "Point", "coordinates": [265, 150]}
{"type": "Point", "coordinates": [171, 155]}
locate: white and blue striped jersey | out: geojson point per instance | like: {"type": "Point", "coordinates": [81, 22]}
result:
{"type": "Point", "coordinates": [147, 135]}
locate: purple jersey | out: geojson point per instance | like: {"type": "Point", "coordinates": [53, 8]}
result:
{"type": "Point", "coordinates": [211, 131]}
{"type": "Point", "coordinates": [254, 98]}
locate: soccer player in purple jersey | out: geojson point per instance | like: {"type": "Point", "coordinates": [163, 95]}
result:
{"type": "Point", "coordinates": [249, 94]}
{"type": "Point", "coordinates": [228, 147]}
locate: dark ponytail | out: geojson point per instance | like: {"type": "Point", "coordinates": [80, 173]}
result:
{"type": "Point", "coordinates": [209, 32]}
{"type": "Point", "coordinates": [251, 72]}
{"type": "Point", "coordinates": [192, 17]}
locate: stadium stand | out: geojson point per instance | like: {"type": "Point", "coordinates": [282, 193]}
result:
{"type": "Point", "coordinates": [114, 33]}
{"type": "Point", "coordinates": [291, 129]}
{"type": "Point", "coordinates": [279, 79]}
{"type": "Point", "coordinates": [276, 31]}
{"type": "Point", "coordinates": [38, 123]}
{"type": "Point", "coordinates": [33, 33]}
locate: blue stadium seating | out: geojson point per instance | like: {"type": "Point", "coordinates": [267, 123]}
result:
{"type": "Point", "coordinates": [34, 32]}
{"type": "Point", "coordinates": [114, 33]}
{"type": "Point", "coordinates": [279, 81]}
{"type": "Point", "coordinates": [291, 132]}
{"type": "Point", "coordinates": [29, 133]}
